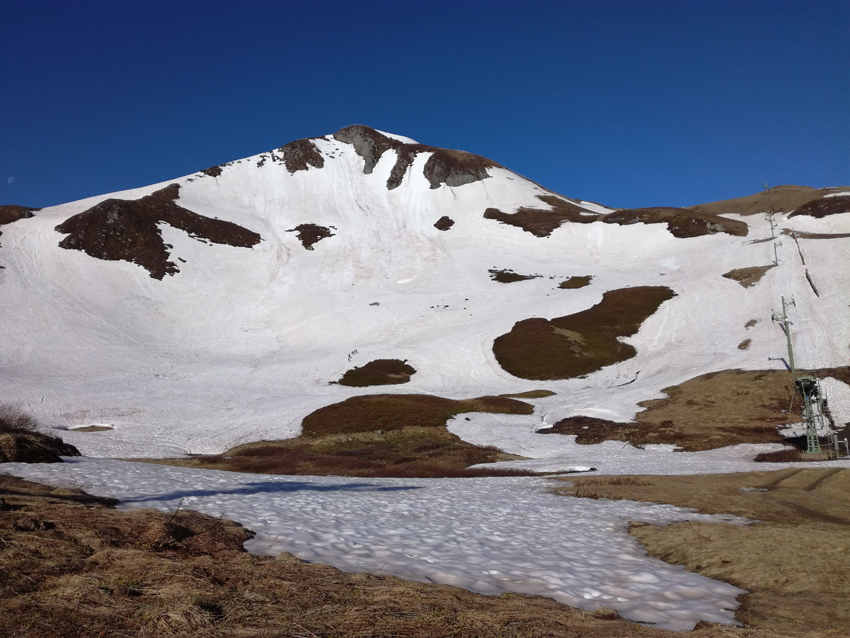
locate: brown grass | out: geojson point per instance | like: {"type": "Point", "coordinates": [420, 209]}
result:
{"type": "Point", "coordinates": [127, 230]}
{"type": "Point", "coordinates": [300, 155]}
{"type": "Point", "coordinates": [21, 442]}
{"type": "Point", "coordinates": [579, 281]}
{"type": "Point", "coordinates": [401, 435]}
{"type": "Point", "coordinates": [820, 208]}
{"type": "Point", "coordinates": [748, 277]}
{"type": "Point", "coordinates": [794, 562]}
{"type": "Point", "coordinates": [782, 199]}
{"type": "Point", "coordinates": [378, 372]}
{"type": "Point", "coordinates": [444, 223]}
{"type": "Point", "coordinates": [509, 276]}
{"type": "Point", "coordinates": [531, 394]}
{"type": "Point", "coordinates": [575, 345]}
{"type": "Point", "coordinates": [71, 567]}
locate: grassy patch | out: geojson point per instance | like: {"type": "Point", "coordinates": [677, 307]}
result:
{"type": "Point", "coordinates": [15, 421]}
{"type": "Point", "coordinates": [748, 276]}
{"type": "Point", "coordinates": [530, 394]}
{"type": "Point", "coordinates": [575, 345]}
{"type": "Point", "coordinates": [309, 234]}
{"type": "Point", "coordinates": [576, 282]}
{"type": "Point", "coordinates": [378, 372]}
{"type": "Point", "coordinates": [794, 591]}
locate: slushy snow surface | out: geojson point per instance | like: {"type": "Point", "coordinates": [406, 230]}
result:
{"type": "Point", "coordinates": [487, 535]}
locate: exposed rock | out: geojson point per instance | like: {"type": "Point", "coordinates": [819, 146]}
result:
{"type": "Point", "coordinates": [309, 234]}
{"type": "Point", "coordinates": [379, 372]}
{"type": "Point", "coordinates": [444, 223]}
{"type": "Point", "coordinates": [127, 230]}
{"type": "Point", "coordinates": [367, 142]}
{"type": "Point", "coordinates": [33, 447]}
{"type": "Point", "coordinates": [456, 168]}
{"type": "Point", "coordinates": [301, 155]}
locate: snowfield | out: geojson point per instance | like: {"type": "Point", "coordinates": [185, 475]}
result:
{"type": "Point", "coordinates": [487, 535]}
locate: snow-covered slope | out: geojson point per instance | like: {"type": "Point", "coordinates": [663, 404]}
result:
{"type": "Point", "coordinates": [242, 342]}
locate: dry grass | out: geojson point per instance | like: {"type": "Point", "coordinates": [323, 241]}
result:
{"type": "Point", "coordinates": [530, 394]}
{"type": "Point", "coordinates": [748, 276]}
{"type": "Point", "coordinates": [398, 435]}
{"type": "Point", "coordinates": [794, 563]}
{"type": "Point", "coordinates": [576, 282]}
{"type": "Point", "coordinates": [71, 567]}
{"type": "Point", "coordinates": [782, 199]}
{"type": "Point", "coordinates": [16, 421]}
{"type": "Point", "coordinates": [709, 411]}
{"type": "Point", "coordinates": [575, 345]}
{"type": "Point", "coordinates": [378, 372]}
{"type": "Point", "coordinates": [508, 276]}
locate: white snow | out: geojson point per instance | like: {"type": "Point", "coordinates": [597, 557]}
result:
{"type": "Point", "coordinates": [485, 535]}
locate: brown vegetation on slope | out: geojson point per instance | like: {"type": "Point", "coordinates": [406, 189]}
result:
{"type": "Point", "coordinates": [71, 567]}
{"type": "Point", "coordinates": [748, 276]}
{"type": "Point", "coordinates": [707, 412]}
{"type": "Point", "coordinates": [794, 562]}
{"type": "Point", "coordinates": [820, 208]}
{"type": "Point", "coordinates": [21, 442]}
{"type": "Point", "coordinates": [300, 155]}
{"type": "Point", "coordinates": [119, 229]}
{"type": "Point", "coordinates": [578, 281]}
{"type": "Point", "coordinates": [444, 223]}
{"type": "Point", "coordinates": [782, 199]}
{"type": "Point", "coordinates": [401, 435]}
{"type": "Point", "coordinates": [378, 372]}
{"type": "Point", "coordinates": [12, 213]}
{"type": "Point", "coordinates": [507, 276]}
{"type": "Point", "coordinates": [575, 345]}
{"type": "Point", "coordinates": [680, 222]}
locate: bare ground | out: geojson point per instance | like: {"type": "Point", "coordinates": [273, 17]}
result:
{"type": "Point", "coordinates": [71, 566]}
{"type": "Point", "coordinates": [795, 562]}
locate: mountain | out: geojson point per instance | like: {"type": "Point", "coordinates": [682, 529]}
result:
{"type": "Point", "coordinates": [225, 306]}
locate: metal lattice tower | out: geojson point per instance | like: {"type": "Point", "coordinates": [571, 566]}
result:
{"type": "Point", "coordinates": [813, 399]}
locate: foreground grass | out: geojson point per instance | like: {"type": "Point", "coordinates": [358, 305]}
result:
{"type": "Point", "coordinates": [70, 566]}
{"type": "Point", "coordinates": [795, 561]}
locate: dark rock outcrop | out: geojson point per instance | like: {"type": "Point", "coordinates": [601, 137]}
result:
{"type": "Point", "coordinates": [33, 447]}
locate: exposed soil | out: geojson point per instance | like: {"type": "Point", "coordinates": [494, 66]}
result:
{"type": "Point", "coordinates": [508, 276]}
{"type": "Point", "coordinates": [379, 372]}
{"type": "Point", "coordinates": [794, 562]}
{"type": "Point", "coordinates": [33, 447]}
{"type": "Point", "coordinates": [680, 222]}
{"type": "Point", "coordinates": [72, 568]}
{"type": "Point", "coordinates": [709, 411]}
{"type": "Point", "coordinates": [119, 229]}
{"type": "Point", "coordinates": [444, 223]}
{"type": "Point", "coordinates": [748, 276]}
{"type": "Point", "coordinates": [803, 235]}
{"type": "Point", "coordinates": [575, 345]}
{"type": "Point", "coordinates": [745, 344]}
{"type": "Point", "coordinates": [820, 208]}
{"type": "Point", "coordinates": [309, 234]}
{"type": "Point", "coordinates": [782, 199]}
{"type": "Point", "coordinates": [579, 281]}
{"type": "Point", "coordinates": [444, 166]}
{"type": "Point", "coordinates": [530, 394]}
{"type": "Point", "coordinates": [300, 155]}
{"type": "Point", "coordinates": [214, 171]}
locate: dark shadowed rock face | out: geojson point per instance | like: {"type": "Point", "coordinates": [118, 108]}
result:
{"type": "Point", "coordinates": [444, 166]}
{"type": "Point", "coordinates": [33, 447]}
{"type": "Point", "coordinates": [301, 155]}
{"type": "Point", "coordinates": [126, 230]}
{"type": "Point", "coordinates": [309, 234]}
{"type": "Point", "coordinates": [819, 208]}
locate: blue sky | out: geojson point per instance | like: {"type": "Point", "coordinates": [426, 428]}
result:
{"type": "Point", "coordinates": [622, 102]}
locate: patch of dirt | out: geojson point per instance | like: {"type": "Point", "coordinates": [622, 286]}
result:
{"type": "Point", "coordinates": [444, 223]}
{"type": "Point", "coordinates": [745, 344]}
{"type": "Point", "coordinates": [214, 171]}
{"type": "Point", "coordinates": [509, 276]}
{"type": "Point", "coordinates": [300, 155]}
{"type": "Point", "coordinates": [444, 166]}
{"type": "Point", "coordinates": [579, 281]}
{"type": "Point", "coordinates": [530, 394]}
{"type": "Point", "coordinates": [794, 562]}
{"type": "Point", "coordinates": [748, 276]}
{"type": "Point", "coordinates": [93, 428]}
{"type": "Point", "coordinates": [541, 222]}
{"type": "Point", "coordinates": [126, 230]}
{"type": "Point", "coordinates": [820, 208]}
{"type": "Point", "coordinates": [535, 349]}
{"type": "Point", "coordinates": [12, 213]}
{"type": "Point", "coordinates": [707, 412]}
{"type": "Point", "coordinates": [309, 234]}
{"type": "Point", "coordinates": [782, 199]}
{"type": "Point", "coordinates": [378, 372]}
{"type": "Point", "coordinates": [100, 572]}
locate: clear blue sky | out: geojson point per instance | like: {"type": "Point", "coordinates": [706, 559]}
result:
{"type": "Point", "coordinates": [629, 103]}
